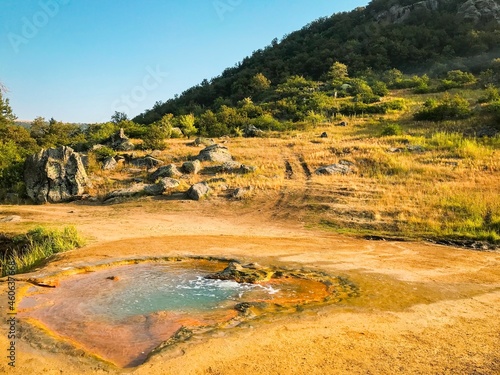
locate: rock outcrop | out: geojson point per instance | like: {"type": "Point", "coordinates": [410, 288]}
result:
{"type": "Point", "coordinates": [480, 10]}
{"type": "Point", "coordinates": [215, 153]}
{"type": "Point", "coordinates": [399, 13]}
{"type": "Point", "coordinates": [55, 175]}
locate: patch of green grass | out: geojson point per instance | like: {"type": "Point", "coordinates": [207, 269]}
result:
{"type": "Point", "coordinates": [39, 244]}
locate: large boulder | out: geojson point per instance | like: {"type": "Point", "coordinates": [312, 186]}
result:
{"type": "Point", "coordinates": [198, 191]}
{"type": "Point", "coordinates": [55, 175]}
{"type": "Point", "coordinates": [215, 153]}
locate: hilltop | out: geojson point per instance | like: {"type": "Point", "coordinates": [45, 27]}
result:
{"type": "Point", "coordinates": [431, 36]}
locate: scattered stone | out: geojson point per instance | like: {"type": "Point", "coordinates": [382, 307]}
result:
{"type": "Point", "coordinates": [147, 161]}
{"type": "Point", "coordinates": [10, 219]}
{"type": "Point", "coordinates": [169, 183]}
{"type": "Point", "coordinates": [55, 175]}
{"type": "Point", "coordinates": [335, 169]}
{"type": "Point", "coordinates": [324, 135]}
{"type": "Point", "coordinates": [200, 141]}
{"type": "Point", "coordinates": [241, 193]}
{"type": "Point", "coordinates": [165, 171]}
{"type": "Point", "coordinates": [235, 167]}
{"type": "Point", "coordinates": [252, 131]}
{"type": "Point", "coordinates": [135, 189]}
{"type": "Point", "coordinates": [415, 148]}
{"type": "Point", "coordinates": [251, 273]}
{"type": "Point", "coordinates": [154, 189]}
{"type": "Point", "coordinates": [191, 167]}
{"type": "Point", "coordinates": [198, 191]}
{"type": "Point", "coordinates": [343, 123]}
{"type": "Point", "coordinates": [109, 164]}
{"type": "Point", "coordinates": [113, 278]}
{"type": "Point", "coordinates": [215, 153]}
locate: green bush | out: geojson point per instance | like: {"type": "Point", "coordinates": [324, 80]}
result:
{"type": "Point", "coordinates": [391, 129]}
{"type": "Point", "coordinates": [448, 108]}
{"type": "Point", "coordinates": [104, 152]}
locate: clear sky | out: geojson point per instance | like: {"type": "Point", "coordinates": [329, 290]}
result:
{"type": "Point", "coordinates": [80, 60]}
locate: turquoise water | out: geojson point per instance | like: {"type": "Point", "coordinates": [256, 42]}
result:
{"type": "Point", "coordinates": [141, 289]}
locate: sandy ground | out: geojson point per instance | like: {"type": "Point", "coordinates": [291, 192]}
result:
{"type": "Point", "coordinates": [422, 309]}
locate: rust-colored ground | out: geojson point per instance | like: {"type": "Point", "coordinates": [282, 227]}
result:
{"type": "Point", "coordinates": [423, 309]}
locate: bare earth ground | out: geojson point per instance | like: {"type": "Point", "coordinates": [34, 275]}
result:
{"type": "Point", "coordinates": [423, 309]}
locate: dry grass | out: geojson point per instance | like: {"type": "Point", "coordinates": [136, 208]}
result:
{"type": "Point", "coordinates": [450, 190]}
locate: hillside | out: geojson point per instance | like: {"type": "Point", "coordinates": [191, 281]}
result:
{"type": "Point", "coordinates": [432, 36]}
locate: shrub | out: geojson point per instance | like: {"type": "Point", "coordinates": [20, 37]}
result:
{"type": "Point", "coordinates": [391, 129]}
{"type": "Point", "coordinates": [448, 108]}
{"type": "Point", "coordinates": [104, 152]}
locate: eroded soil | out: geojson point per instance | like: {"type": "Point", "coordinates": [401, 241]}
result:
{"type": "Point", "coordinates": [422, 308]}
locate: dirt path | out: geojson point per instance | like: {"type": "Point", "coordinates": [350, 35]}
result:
{"type": "Point", "coordinates": [423, 309]}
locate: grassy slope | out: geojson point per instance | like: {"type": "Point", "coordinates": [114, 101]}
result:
{"type": "Point", "coordinates": [449, 191]}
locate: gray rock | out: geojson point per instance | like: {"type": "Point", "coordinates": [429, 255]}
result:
{"type": "Point", "coordinates": [146, 162]}
{"type": "Point", "coordinates": [241, 193]}
{"type": "Point", "coordinates": [119, 141]}
{"type": "Point", "coordinates": [252, 131]}
{"type": "Point", "coordinates": [109, 164]}
{"type": "Point", "coordinates": [215, 153]}
{"type": "Point", "coordinates": [198, 191]}
{"type": "Point", "coordinates": [480, 10]}
{"type": "Point", "coordinates": [415, 148]}
{"type": "Point", "coordinates": [399, 13]}
{"type": "Point", "coordinates": [55, 175]}
{"type": "Point", "coordinates": [235, 167]}
{"type": "Point", "coordinates": [324, 135]}
{"type": "Point", "coordinates": [155, 189]}
{"type": "Point", "coordinates": [169, 183]}
{"type": "Point", "coordinates": [334, 169]}
{"type": "Point", "coordinates": [125, 146]}
{"type": "Point", "coordinates": [135, 189]}
{"type": "Point", "coordinates": [191, 167]}
{"type": "Point", "coordinates": [165, 171]}
{"type": "Point", "coordinates": [200, 141]}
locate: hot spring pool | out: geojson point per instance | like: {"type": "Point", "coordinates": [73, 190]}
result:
{"type": "Point", "coordinates": [122, 313]}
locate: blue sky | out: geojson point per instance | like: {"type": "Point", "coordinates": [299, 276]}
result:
{"type": "Point", "coordinates": [80, 60]}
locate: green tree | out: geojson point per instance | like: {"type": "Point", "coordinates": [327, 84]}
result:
{"type": "Point", "coordinates": [186, 124]}
{"type": "Point", "coordinates": [119, 117]}
{"type": "Point", "coordinates": [338, 73]}
{"type": "Point", "coordinates": [260, 83]}
{"type": "Point", "coordinates": [7, 117]}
